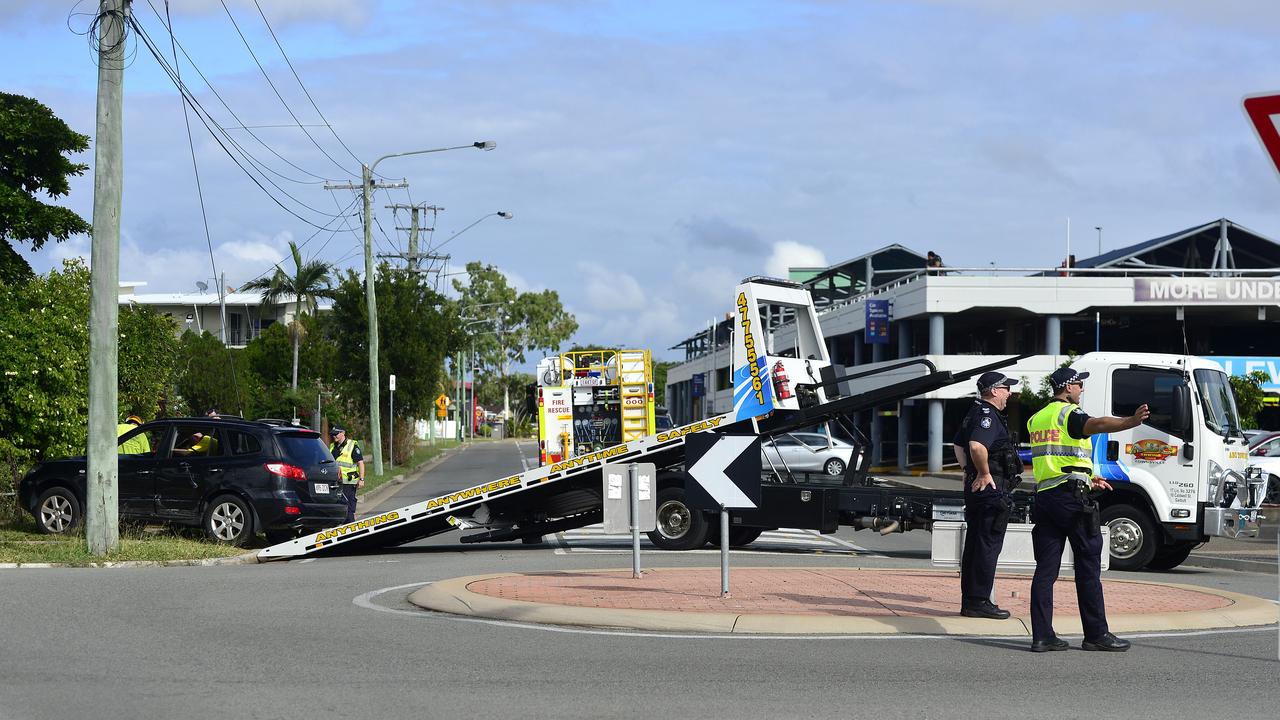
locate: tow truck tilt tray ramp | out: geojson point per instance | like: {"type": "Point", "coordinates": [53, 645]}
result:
{"type": "Point", "coordinates": [794, 389]}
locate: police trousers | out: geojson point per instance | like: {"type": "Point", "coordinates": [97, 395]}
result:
{"type": "Point", "coordinates": [349, 493]}
{"type": "Point", "coordinates": [985, 518]}
{"type": "Point", "coordinates": [1059, 517]}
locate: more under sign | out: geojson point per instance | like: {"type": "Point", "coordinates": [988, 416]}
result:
{"type": "Point", "coordinates": [1208, 291]}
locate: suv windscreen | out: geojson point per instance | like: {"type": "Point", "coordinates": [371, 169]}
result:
{"type": "Point", "coordinates": [304, 449]}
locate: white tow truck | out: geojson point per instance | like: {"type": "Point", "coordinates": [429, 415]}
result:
{"type": "Point", "coordinates": [1182, 476]}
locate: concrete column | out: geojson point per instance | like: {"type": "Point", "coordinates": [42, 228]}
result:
{"type": "Point", "coordinates": [904, 338]}
{"type": "Point", "coordinates": [904, 436]}
{"type": "Point", "coordinates": [936, 440]}
{"type": "Point", "coordinates": [877, 427]}
{"type": "Point", "coordinates": [1053, 335]}
{"type": "Point", "coordinates": [937, 334]}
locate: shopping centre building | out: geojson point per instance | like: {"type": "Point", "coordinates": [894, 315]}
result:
{"type": "Point", "coordinates": [1211, 290]}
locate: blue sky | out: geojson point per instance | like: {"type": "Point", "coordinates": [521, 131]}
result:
{"type": "Point", "coordinates": [654, 153]}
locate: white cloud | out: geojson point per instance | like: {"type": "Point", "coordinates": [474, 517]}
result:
{"type": "Point", "coordinates": [788, 254]}
{"type": "Point", "coordinates": [172, 269]}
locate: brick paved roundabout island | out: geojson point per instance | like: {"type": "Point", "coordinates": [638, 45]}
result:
{"type": "Point", "coordinates": [821, 601]}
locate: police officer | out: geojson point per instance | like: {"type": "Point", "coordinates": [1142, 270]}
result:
{"type": "Point", "coordinates": [1062, 459]}
{"type": "Point", "coordinates": [983, 447]}
{"type": "Point", "coordinates": [350, 466]}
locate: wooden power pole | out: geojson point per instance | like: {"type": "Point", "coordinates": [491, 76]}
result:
{"type": "Point", "coordinates": [102, 508]}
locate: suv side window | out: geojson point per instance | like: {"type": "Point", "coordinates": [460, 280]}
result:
{"type": "Point", "coordinates": [1133, 387]}
{"type": "Point", "coordinates": [197, 440]}
{"type": "Point", "coordinates": [242, 443]}
{"type": "Point", "coordinates": [141, 441]}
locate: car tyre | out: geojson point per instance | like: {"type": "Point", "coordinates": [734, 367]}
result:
{"type": "Point", "coordinates": [57, 511]}
{"type": "Point", "coordinates": [680, 527]}
{"type": "Point", "coordinates": [834, 466]}
{"type": "Point", "coordinates": [1171, 556]}
{"type": "Point", "coordinates": [1273, 490]}
{"type": "Point", "coordinates": [1133, 536]}
{"type": "Point", "coordinates": [228, 521]}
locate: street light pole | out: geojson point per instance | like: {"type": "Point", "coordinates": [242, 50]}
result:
{"type": "Point", "coordinates": [375, 399]}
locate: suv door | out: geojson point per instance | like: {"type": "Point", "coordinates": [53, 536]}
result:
{"type": "Point", "coordinates": [138, 453]}
{"type": "Point", "coordinates": [184, 477]}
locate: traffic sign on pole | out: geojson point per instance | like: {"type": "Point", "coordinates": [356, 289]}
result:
{"type": "Point", "coordinates": [726, 468]}
{"type": "Point", "coordinates": [1263, 112]}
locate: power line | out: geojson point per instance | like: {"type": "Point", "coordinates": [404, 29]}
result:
{"type": "Point", "coordinates": [267, 77]}
{"type": "Point", "coordinates": [204, 217]}
{"type": "Point", "coordinates": [209, 123]}
{"type": "Point", "coordinates": [243, 126]}
{"type": "Point", "coordinates": [310, 99]}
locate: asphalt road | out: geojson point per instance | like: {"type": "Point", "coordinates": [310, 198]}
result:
{"type": "Point", "coordinates": [335, 637]}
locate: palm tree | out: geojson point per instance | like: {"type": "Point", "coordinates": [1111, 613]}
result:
{"type": "Point", "coordinates": [309, 281]}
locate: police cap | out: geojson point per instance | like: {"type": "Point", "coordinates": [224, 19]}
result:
{"type": "Point", "coordinates": [993, 379]}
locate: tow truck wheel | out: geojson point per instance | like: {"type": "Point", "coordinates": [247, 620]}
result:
{"type": "Point", "coordinates": [1171, 556]}
{"type": "Point", "coordinates": [1133, 537]}
{"type": "Point", "coordinates": [1273, 490]}
{"type": "Point", "coordinates": [741, 536]}
{"type": "Point", "coordinates": [679, 526]}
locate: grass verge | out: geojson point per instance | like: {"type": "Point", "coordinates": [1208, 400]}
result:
{"type": "Point", "coordinates": [20, 543]}
{"type": "Point", "coordinates": [422, 454]}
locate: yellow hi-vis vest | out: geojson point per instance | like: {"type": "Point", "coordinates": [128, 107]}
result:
{"type": "Point", "coordinates": [1055, 455]}
{"type": "Point", "coordinates": [346, 463]}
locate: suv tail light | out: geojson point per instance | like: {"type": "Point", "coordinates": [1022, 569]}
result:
{"type": "Point", "coordinates": [285, 470]}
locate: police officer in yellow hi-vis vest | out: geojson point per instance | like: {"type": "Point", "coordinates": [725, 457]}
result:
{"type": "Point", "coordinates": [350, 465]}
{"type": "Point", "coordinates": [1062, 459]}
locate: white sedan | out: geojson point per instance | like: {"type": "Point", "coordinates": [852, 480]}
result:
{"type": "Point", "coordinates": [805, 452]}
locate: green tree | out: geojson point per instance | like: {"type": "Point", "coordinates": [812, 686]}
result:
{"type": "Point", "coordinates": [147, 359]}
{"type": "Point", "coordinates": [267, 357]}
{"type": "Point", "coordinates": [1249, 395]}
{"type": "Point", "coordinates": [33, 148]}
{"type": "Point", "coordinates": [44, 329]}
{"type": "Point", "coordinates": [660, 381]}
{"type": "Point", "coordinates": [309, 281]}
{"type": "Point", "coordinates": [211, 375]}
{"type": "Point", "coordinates": [418, 328]}
{"type": "Point", "coordinates": [518, 322]}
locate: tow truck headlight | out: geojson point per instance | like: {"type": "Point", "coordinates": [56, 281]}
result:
{"type": "Point", "coordinates": [1216, 474]}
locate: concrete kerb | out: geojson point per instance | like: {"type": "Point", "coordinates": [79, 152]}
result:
{"type": "Point", "coordinates": [249, 558]}
{"type": "Point", "coordinates": [453, 596]}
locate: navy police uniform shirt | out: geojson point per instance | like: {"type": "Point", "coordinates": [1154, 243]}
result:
{"type": "Point", "coordinates": [985, 426]}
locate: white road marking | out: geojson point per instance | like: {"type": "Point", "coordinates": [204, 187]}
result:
{"type": "Point", "coordinates": [365, 601]}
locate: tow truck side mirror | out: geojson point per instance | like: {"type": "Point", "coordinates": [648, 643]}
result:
{"type": "Point", "coordinates": [1181, 412]}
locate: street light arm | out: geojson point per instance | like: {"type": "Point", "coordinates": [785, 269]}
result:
{"type": "Point", "coordinates": [482, 145]}
{"type": "Point", "coordinates": [501, 213]}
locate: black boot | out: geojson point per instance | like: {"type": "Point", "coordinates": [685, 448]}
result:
{"type": "Point", "coordinates": [1105, 642]}
{"type": "Point", "coordinates": [984, 609]}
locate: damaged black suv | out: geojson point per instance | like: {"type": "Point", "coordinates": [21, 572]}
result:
{"type": "Point", "coordinates": [234, 478]}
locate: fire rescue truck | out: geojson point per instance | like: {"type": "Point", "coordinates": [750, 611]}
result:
{"type": "Point", "coordinates": [588, 400]}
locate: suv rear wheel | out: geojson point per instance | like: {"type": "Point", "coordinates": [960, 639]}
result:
{"type": "Point", "coordinates": [228, 520]}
